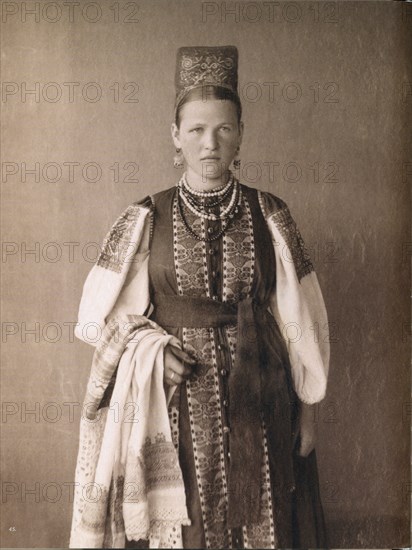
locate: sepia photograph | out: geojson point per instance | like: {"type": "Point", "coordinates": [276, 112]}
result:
{"type": "Point", "coordinates": [206, 261]}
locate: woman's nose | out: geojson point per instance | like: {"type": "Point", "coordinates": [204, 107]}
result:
{"type": "Point", "coordinates": [211, 141]}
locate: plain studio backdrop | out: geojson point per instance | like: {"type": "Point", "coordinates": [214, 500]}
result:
{"type": "Point", "coordinates": [87, 103]}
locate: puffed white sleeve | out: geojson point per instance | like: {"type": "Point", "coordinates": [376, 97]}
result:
{"type": "Point", "coordinates": [118, 284]}
{"type": "Point", "coordinates": [297, 303]}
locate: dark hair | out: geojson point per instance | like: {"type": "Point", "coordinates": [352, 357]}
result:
{"type": "Point", "coordinates": [209, 92]}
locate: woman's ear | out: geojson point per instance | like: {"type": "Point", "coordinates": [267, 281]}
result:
{"type": "Point", "coordinates": [175, 135]}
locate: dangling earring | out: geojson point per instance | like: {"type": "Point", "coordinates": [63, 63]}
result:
{"type": "Point", "coordinates": [236, 162]}
{"type": "Point", "coordinates": [178, 159]}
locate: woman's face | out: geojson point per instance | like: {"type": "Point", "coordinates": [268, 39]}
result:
{"type": "Point", "coordinates": [209, 135]}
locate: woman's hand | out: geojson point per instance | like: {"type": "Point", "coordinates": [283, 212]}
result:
{"type": "Point", "coordinates": [307, 430]}
{"type": "Point", "coordinates": [175, 372]}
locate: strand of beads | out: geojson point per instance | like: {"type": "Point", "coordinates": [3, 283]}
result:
{"type": "Point", "coordinates": [202, 204]}
{"type": "Point", "coordinates": [226, 215]}
{"type": "Point", "coordinates": [204, 200]}
{"type": "Point", "coordinates": [209, 215]}
{"type": "Point", "coordinates": [213, 193]}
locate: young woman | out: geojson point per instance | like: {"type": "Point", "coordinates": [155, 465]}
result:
{"type": "Point", "coordinates": [222, 267]}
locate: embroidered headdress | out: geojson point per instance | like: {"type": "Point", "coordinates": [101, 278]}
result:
{"type": "Point", "coordinates": [198, 66]}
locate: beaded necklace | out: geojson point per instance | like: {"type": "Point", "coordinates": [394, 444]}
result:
{"type": "Point", "coordinates": [203, 210]}
{"type": "Point", "coordinates": [202, 205]}
{"type": "Point", "coordinates": [216, 191]}
{"type": "Point", "coordinates": [188, 196]}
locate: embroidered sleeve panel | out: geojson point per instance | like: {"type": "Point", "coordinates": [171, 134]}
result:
{"type": "Point", "coordinates": [117, 243]}
{"type": "Point", "coordinates": [277, 210]}
{"type": "Point", "coordinates": [270, 204]}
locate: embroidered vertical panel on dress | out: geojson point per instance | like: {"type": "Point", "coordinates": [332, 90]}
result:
{"type": "Point", "coordinates": [238, 257]}
{"type": "Point", "coordinates": [203, 393]}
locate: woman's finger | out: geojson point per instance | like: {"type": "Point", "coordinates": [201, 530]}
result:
{"type": "Point", "coordinates": [177, 366]}
{"type": "Point", "coordinates": [182, 355]}
{"type": "Point", "coordinates": [172, 378]}
{"type": "Point", "coordinates": [174, 363]}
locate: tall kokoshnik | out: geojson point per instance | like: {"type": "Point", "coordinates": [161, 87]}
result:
{"type": "Point", "coordinates": [202, 66]}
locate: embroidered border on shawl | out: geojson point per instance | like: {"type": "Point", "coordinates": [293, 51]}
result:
{"type": "Point", "coordinates": [117, 242]}
{"type": "Point", "coordinates": [95, 511]}
{"type": "Point", "coordinates": [162, 463]}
